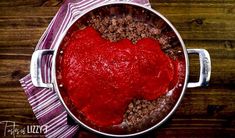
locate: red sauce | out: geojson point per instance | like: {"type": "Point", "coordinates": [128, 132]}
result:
{"type": "Point", "coordinates": [103, 77]}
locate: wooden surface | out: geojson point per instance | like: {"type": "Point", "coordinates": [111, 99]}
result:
{"type": "Point", "coordinates": [208, 24]}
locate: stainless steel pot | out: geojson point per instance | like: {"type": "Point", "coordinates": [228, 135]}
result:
{"type": "Point", "coordinates": [36, 72]}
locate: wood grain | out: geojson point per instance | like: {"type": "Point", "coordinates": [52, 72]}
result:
{"type": "Point", "coordinates": [26, 3]}
{"type": "Point", "coordinates": [197, 21]}
{"type": "Point", "coordinates": [208, 24]}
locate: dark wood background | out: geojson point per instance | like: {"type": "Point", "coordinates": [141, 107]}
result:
{"type": "Point", "coordinates": [208, 24]}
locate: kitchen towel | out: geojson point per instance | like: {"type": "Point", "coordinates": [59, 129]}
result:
{"type": "Point", "coordinates": [45, 103]}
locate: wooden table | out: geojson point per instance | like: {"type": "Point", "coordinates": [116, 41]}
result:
{"type": "Point", "coordinates": [208, 24]}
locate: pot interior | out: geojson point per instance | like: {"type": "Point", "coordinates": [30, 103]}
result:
{"type": "Point", "coordinates": [114, 23]}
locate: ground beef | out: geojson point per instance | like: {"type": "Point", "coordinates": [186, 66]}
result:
{"type": "Point", "coordinates": [141, 111]}
{"type": "Point", "coordinates": [115, 28]}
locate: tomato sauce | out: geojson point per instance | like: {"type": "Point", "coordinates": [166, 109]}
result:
{"type": "Point", "coordinates": [103, 77]}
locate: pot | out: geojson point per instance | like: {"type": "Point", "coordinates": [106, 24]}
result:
{"type": "Point", "coordinates": [37, 79]}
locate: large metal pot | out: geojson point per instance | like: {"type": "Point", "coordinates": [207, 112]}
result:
{"type": "Point", "coordinates": [36, 72]}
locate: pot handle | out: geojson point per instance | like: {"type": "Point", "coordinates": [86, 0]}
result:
{"type": "Point", "coordinates": [205, 68]}
{"type": "Point", "coordinates": [35, 68]}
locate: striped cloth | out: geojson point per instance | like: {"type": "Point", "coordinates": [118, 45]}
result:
{"type": "Point", "coordinates": [44, 102]}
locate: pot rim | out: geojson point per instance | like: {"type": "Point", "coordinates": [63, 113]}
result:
{"type": "Point", "coordinates": [55, 84]}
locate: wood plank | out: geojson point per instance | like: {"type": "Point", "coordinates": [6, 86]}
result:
{"type": "Point", "coordinates": [17, 111]}
{"type": "Point", "coordinates": [210, 35]}
{"type": "Point", "coordinates": [179, 132]}
{"type": "Point", "coordinates": [194, 122]}
{"type": "Point", "coordinates": [166, 8]}
{"type": "Point", "coordinates": [6, 89]}
{"type": "Point", "coordinates": [21, 34]}
{"type": "Point", "coordinates": [209, 14]}
{"type": "Point", "coordinates": [207, 102]}
{"type": "Point", "coordinates": [196, 132]}
{"type": "Point", "coordinates": [12, 71]}
{"type": "Point", "coordinates": [24, 22]}
{"type": "Point", "coordinates": [13, 103]}
{"type": "Point", "coordinates": [215, 48]}
{"type": "Point", "coordinates": [30, 119]}
{"type": "Point", "coordinates": [13, 100]}
{"type": "Point", "coordinates": [194, 9]}
{"type": "Point", "coordinates": [201, 21]}
{"type": "Point", "coordinates": [34, 3]}
{"type": "Point", "coordinates": [28, 11]}
{"type": "Point", "coordinates": [53, 3]}
{"type": "Point", "coordinates": [192, 1]}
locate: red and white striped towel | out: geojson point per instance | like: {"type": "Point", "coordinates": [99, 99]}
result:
{"type": "Point", "coordinates": [45, 103]}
